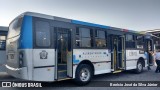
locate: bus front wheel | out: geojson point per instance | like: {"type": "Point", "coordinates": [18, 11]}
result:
{"type": "Point", "coordinates": [83, 74]}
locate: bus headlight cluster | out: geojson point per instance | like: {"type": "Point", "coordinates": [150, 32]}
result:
{"type": "Point", "coordinates": [20, 59]}
{"type": "Point", "coordinates": [20, 56]}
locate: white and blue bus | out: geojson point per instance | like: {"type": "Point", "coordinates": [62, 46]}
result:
{"type": "Point", "coordinates": [48, 48]}
{"type": "Point", "coordinates": [3, 37]}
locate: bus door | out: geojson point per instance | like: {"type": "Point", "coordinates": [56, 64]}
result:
{"type": "Point", "coordinates": [149, 48]}
{"type": "Point", "coordinates": [118, 53]}
{"type": "Point", "coordinates": [63, 55]}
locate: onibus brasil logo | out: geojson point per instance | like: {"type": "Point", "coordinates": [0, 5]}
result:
{"type": "Point", "coordinates": [20, 84]}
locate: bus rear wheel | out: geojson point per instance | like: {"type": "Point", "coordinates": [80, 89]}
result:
{"type": "Point", "coordinates": [83, 74]}
{"type": "Point", "coordinates": [139, 68]}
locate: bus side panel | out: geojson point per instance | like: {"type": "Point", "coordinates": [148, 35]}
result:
{"type": "Point", "coordinates": [43, 74]}
{"type": "Point", "coordinates": [100, 58]}
{"type": "Point", "coordinates": [43, 57]}
{"type": "Point", "coordinates": [132, 57]}
{"type": "Point", "coordinates": [43, 64]}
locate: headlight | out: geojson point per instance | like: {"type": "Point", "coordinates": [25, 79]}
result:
{"type": "Point", "coordinates": [21, 59]}
{"type": "Point", "coordinates": [20, 56]}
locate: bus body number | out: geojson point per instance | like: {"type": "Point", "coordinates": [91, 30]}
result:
{"type": "Point", "coordinates": [132, 53]}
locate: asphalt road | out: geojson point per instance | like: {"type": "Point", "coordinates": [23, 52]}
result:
{"type": "Point", "coordinates": [123, 76]}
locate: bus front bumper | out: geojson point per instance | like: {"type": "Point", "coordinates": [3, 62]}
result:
{"type": "Point", "coordinates": [20, 73]}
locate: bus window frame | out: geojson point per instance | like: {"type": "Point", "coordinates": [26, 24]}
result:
{"type": "Point", "coordinates": [35, 19]}
{"type": "Point", "coordinates": [106, 38]}
{"type": "Point", "coordinates": [93, 29]}
{"type": "Point", "coordinates": [75, 35]}
{"type": "Point", "coordinates": [134, 40]}
{"type": "Point", "coordinates": [137, 42]}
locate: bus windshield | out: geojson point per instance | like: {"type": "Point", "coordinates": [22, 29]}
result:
{"type": "Point", "coordinates": [15, 27]}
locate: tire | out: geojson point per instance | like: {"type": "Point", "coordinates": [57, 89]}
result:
{"type": "Point", "coordinates": [83, 74]}
{"type": "Point", "coordinates": [139, 68]}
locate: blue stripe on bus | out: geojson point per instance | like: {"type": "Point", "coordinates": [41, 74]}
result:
{"type": "Point", "coordinates": [88, 24]}
{"type": "Point", "coordinates": [26, 33]}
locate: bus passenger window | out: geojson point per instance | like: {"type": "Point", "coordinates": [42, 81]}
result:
{"type": "Point", "coordinates": [77, 31]}
{"type": "Point", "coordinates": [100, 38]}
{"type": "Point", "coordinates": [42, 34]}
{"type": "Point", "coordinates": [130, 41]}
{"type": "Point", "coordinates": [83, 37]}
{"type": "Point", "coordinates": [140, 42]}
{"type": "Point", "coordinates": [2, 42]}
{"type": "Point", "coordinates": [129, 37]}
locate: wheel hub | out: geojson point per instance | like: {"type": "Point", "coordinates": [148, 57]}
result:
{"type": "Point", "coordinates": [84, 76]}
{"type": "Point", "coordinates": [139, 66]}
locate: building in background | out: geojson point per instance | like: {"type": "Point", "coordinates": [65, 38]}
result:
{"type": "Point", "coordinates": [3, 36]}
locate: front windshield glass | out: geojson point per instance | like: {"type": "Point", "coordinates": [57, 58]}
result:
{"type": "Point", "coordinates": [15, 27]}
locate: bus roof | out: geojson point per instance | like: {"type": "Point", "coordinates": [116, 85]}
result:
{"type": "Point", "coordinates": [2, 28]}
{"type": "Point", "coordinates": [78, 22]}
